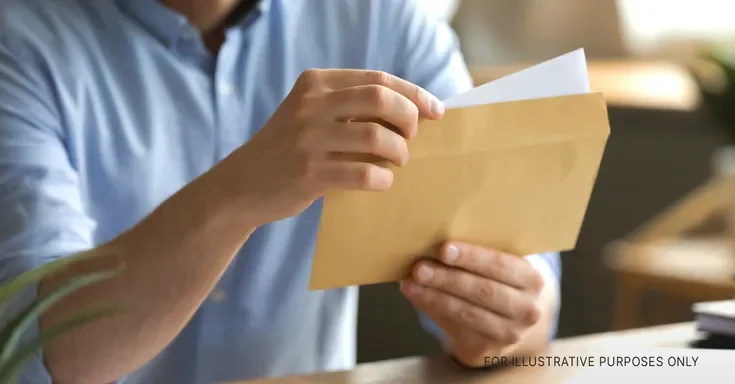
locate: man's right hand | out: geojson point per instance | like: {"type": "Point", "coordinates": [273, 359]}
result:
{"type": "Point", "coordinates": [299, 154]}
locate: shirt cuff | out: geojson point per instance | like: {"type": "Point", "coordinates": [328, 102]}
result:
{"type": "Point", "coordinates": [549, 264]}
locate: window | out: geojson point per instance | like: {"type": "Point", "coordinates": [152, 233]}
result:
{"type": "Point", "coordinates": [441, 9]}
{"type": "Point", "coordinates": [647, 23]}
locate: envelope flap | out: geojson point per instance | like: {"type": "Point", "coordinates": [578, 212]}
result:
{"type": "Point", "coordinates": [512, 124]}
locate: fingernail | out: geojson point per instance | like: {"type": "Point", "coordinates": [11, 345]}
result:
{"type": "Point", "coordinates": [437, 107]}
{"type": "Point", "coordinates": [425, 273]}
{"type": "Point", "coordinates": [415, 289]}
{"type": "Point", "coordinates": [451, 253]}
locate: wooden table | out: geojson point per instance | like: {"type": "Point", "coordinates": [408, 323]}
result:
{"type": "Point", "coordinates": [439, 369]}
{"type": "Point", "coordinates": [627, 83]}
{"type": "Point", "coordinates": [699, 269]}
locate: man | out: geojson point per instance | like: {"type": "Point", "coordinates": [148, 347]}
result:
{"type": "Point", "coordinates": [191, 140]}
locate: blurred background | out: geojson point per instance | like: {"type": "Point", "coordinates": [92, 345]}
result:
{"type": "Point", "coordinates": [654, 240]}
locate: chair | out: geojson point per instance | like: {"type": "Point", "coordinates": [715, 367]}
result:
{"type": "Point", "coordinates": [658, 258]}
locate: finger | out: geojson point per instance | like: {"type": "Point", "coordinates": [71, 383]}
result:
{"type": "Point", "coordinates": [455, 332]}
{"type": "Point", "coordinates": [444, 322]}
{"type": "Point", "coordinates": [508, 269]}
{"type": "Point", "coordinates": [497, 297]}
{"type": "Point", "coordinates": [363, 138]}
{"type": "Point", "coordinates": [463, 313]}
{"type": "Point", "coordinates": [375, 103]}
{"type": "Point", "coordinates": [353, 175]}
{"type": "Point", "coordinates": [412, 292]}
{"type": "Point", "coordinates": [428, 105]}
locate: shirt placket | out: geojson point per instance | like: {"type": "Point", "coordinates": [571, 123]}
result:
{"type": "Point", "coordinates": [225, 106]}
{"type": "Point", "coordinates": [214, 311]}
{"type": "Point", "coordinates": [226, 96]}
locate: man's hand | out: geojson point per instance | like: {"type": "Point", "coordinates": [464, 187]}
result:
{"type": "Point", "coordinates": [488, 303]}
{"type": "Point", "coordinates": [320, 137]}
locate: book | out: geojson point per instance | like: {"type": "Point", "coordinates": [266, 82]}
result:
{"type": "Point", "coordinates": [715, 317]}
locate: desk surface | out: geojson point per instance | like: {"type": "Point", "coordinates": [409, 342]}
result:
{"type": "Point", "coordinates": [627, 83]}
{"type": "Point", "coordinates": [435, 370]}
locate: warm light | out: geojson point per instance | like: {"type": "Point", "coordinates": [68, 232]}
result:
{"type": "Point", "coordinates": [441, 9]}
{"type": "Point", "coordinates": [648, 22]}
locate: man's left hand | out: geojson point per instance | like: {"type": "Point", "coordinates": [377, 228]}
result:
{"type": "Point", "coordinates": [485, 301]}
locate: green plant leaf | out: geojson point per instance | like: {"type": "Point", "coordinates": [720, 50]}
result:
{"type": "Point", "coordinates": [724, 64]}
{"type": "Point", "coordinates": [715, 79]}
{"type": "Point", "coordinates": [10, 371]}
{"type": "Point", "coordinates": [15, 286]}
{"type": "Point", "coordinates": [11, 334]}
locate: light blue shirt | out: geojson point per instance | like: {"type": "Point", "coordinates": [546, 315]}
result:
{"type": "Point", "coordinates": [108, 107]}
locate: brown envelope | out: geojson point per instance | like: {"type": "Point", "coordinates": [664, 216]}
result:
{"type": "Point", "coordinates": [514, 176]}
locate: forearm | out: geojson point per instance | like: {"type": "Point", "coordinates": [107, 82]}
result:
{"type": "Point", "coordinates": [171, 259]}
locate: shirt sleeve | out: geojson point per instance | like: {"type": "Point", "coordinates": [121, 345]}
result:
{"type": "Point", "coordinates": [428, 54]}
{"type": "Point", "coordinates": [41, 212]}
{"type": "Point", "coordinates": [425, 50]}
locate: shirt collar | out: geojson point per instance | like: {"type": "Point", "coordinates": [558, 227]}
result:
{"type": "Point", "coordinates": [169, 26]}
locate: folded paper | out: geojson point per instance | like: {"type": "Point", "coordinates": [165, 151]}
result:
{"type": "Point", "coordinates": [510, 175]}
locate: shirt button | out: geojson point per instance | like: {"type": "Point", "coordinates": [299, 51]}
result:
{"type": "Point", "coordinates": [190, 34]}
{"type": "Point", "coordinates": [225, 89]}
{"type": "Point", "coordinates": [217, 296]}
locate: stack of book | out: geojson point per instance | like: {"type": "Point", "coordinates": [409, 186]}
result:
{"type": "Point", "coordinates": [716, 320]}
